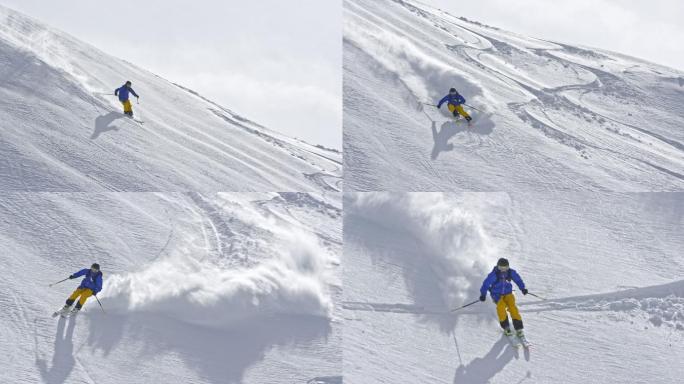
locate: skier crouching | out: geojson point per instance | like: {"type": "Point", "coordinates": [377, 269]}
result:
{"type": "Point", "coordinates": [454, 102]}
{"type": "Point", "coordinates": [498, 283]}
{"type": "Point", "coordinates": [123, 94]}
{"type": "Point", "coordinates": [90, 285]}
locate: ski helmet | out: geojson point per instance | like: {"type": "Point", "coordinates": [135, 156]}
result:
{"type": "Point", "coordinates": [95, 266]}
{"type": "Point", "coordinates": [128, 82]}
{"type": "Point", "coordinates": [502, 262]}
{"type": "Point", "coordinates": [452, 90]}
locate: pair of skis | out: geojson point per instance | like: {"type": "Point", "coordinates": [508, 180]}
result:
{"type": "Point", "coordinates": [136, 120]}
{"type": "Point", "coordinates": [518, 340]}
{"type": "Point", "coordinates": [65, 313]}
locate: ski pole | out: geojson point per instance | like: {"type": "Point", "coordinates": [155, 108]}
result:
{"type": "Point", "coordinates": [98, 301]}
{"type": "Point", "coordinates": [432, 105]}
{"type": "Point", "coordinates": [463, 306]}
{"type": "Point", "coordinates": [470, 106]}
{"type": "Point", "coordinates": [58, 282]}
{"type": "Point", "coordinates": [537, 296]}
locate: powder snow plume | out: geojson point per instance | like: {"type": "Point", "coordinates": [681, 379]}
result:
{"type": "Point", "coordinates": [420, 68]}
{"type": "Point", "coordinates": [454, 241]}
{"type": "Point", "coordinates": [284, 274]}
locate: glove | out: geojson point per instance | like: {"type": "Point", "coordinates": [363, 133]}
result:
{"type": "Point", "coordinates": [483, 298]}
{"type": "Point", "coordinates": [524, 291]}
{"type": "Point", "coordinates": [72, 276]}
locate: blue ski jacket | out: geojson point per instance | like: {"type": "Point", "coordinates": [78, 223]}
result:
{"type": "Point", "coordinates": [456, 99]}
{"type": "Point", "coordinates": [92, 281]}
{"type": "Point", "coordinates": [123, 92]}
{"type": "Point", "coordinates": [499, 283]}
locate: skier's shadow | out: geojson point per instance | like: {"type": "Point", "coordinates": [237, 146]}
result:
{"type": "Point", "coordinates": [63, 358]}
{"type": "Point", "coordinates": [483, 125]}
{"type": "Point", "coordinates": [441, 137]}
{"type": "Point", "coordinates": [218, 355]}
{"type": "Point", "coordinates": [102, 124]}
{"type": "Point", "coordinates": [482, 369]}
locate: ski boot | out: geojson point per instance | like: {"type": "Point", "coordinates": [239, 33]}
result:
{"type": "Point", "coordinates": [74, 311]}
{"type": "Point", "coordinates": [510, 335]}
{"type": "Point", "coordinates": [521, 336]}
{"type": "Point", "coordinates": [65, 309]}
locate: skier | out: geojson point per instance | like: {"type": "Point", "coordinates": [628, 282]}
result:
{"type": "Point", "coordinates": [123, 92]}
{"type": "Point", "coordinates": [454, 102]}
{"type": "Point", "coordinates": [90, 285]}
{"type": "Point", "coordinates": [498, 283]}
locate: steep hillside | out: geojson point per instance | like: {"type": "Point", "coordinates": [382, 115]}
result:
{"type": "Point", "coordinates": [62, 128]}
{"type": "Point", "coordinates": [198, 288]}
{"type": "Point", "coordinates": [610, 266]}
{"type": "Point", "coordinates": [550, 116]}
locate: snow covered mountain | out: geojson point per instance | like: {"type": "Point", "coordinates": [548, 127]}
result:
{"type": "Point", "coordinates": [552, 116]}
{"type": "Point", "coordinates": [609, 264]}
{"type": "Point", "coordinates": [198, 288]}
{"type": "Point", "coordinates": [61, 128]}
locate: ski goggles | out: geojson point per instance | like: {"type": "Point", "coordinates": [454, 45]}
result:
{"type": "Point", "coordinates": [503, 268]}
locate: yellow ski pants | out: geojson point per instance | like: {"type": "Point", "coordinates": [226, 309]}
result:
{"type": "Point", "coordinates": [459, 109]}
{"type": "Point", "coordinates": [507, 302]}
{"type": "Point", "coordinates": [127, 106]}
{"type": "Point", "coordinates": [84, 293]}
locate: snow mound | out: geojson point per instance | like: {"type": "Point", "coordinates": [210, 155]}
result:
{"type": "Point", "coordinates": [661, 305]}
{"type": "Point", "coordinates": [453, 239]}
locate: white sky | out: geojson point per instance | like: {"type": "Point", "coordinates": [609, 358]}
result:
{"type": "Point", "coordinates": [277, 62]}
{"type": "Point", "coordinates": [648, 29]}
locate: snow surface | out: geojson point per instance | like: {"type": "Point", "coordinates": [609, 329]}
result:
{"type": "Point", "coordinates": [609, 264]}
{"type": "Point", "coordinates": [198, 288]}
{"type": "Point", "coordinates": [61, 127]}
{"type": "Point", "coordinates": [553, 116]}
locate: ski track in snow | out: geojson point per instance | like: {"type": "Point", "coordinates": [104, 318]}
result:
{"type": "Point", "coordinates": [554, 117]}
{"type": "Point", "coordinates": [661, 305]}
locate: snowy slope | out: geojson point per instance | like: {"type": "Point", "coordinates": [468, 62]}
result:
{"type": "Point", "coordinates": [61, 128]}
{"type": "Point", "coordinates": [554, 116]}
{"type": "Point", "coordinates": [198, 288]}
{"type": "Point", "coordinates": [610, 265]}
